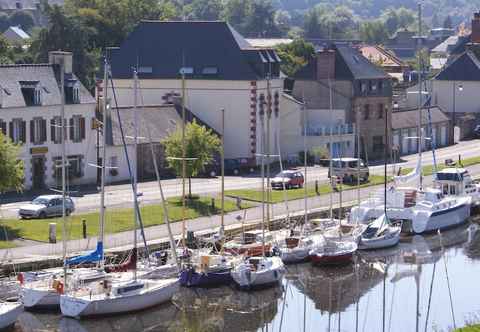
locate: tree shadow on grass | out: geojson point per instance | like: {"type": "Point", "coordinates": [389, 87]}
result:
{"type": "Point", "coordinates": [201, 207]}
{"type": "Point", "coordinates": [8, 234]}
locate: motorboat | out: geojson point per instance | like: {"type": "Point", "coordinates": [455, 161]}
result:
{"type": "Point", "coordinates": [458, 182]}
{"type": "Point", "coordinates": [210, 270]}
{"type": "Point", "coordinates": [251, 243]}
{"type": "Point", "coordinates": [9, 312]}
{"type": "Point", "coordinates": [117, 297]}
{"type": "Point", "coordinates": [380, 234]}
{"type": "Point", "coordinates": [296, 248]}
{"type": "Point", "coordinates": [258, 272]}
{"type": "Point", "coordinates": [334, 253]}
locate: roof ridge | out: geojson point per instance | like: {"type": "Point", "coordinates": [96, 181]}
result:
{"type": "Point", "coordinates": [26, 65]}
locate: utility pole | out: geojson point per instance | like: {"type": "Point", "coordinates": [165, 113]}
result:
{"type": "Point", "coordinates": [420, 72]}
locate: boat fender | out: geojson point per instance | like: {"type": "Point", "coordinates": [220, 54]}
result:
{"type": "Point", "coordinates": [20, 278]}
{"type": "Point", "coordinates": [59, 287]}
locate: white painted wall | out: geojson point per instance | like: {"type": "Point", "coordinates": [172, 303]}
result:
{"type": "Point", "coordinates": [85, 148]}
{"type": "Point", "coordinates": [466, 101]}
{"type": "Point", "coordinates": [205, 98]}
{"type": "Point", "coordinates": [122, 167]}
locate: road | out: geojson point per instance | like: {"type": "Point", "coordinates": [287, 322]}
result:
{"type": "Point", "coordinates": [121, 195]}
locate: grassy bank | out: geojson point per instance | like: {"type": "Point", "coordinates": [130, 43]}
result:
{"type": "Point", "coordinates": [277, 196]}
{"type": "Point", "coordinates": [117, 220]}
{"type": "Point", "coordinates": [471, 328]}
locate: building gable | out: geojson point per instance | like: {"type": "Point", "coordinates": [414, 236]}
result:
{"type": "Point", "coordinates": [464, 68]}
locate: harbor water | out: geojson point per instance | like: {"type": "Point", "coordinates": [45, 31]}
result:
{"type": "Point", "coordinates": [427, 283]}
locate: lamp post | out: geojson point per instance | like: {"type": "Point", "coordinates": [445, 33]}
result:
{"type": "Point", "coordinates": [456, 87]}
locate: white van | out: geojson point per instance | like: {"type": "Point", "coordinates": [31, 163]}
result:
{"type": "Point", "coordinates": [347, 169]}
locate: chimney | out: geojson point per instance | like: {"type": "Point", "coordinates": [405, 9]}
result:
{"type": "Point", "coordinates": [326, 64]}
{"type": "Point", "coordinates": [59, 57]}
{"type": "Point", "coordinates": [475, 37]}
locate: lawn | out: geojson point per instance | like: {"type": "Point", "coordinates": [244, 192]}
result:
{"type": "Point", "coordinates": [470, 328]}
{"type": "Point", "coordinates": [117, 220]}
{"type": "Point", "coordinates": [428, 170]}
{"type": "Point", "coordinates": [277, 196]}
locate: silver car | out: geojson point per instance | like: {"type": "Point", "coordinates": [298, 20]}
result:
{"type": "Point", "coordinates": [46, 206]}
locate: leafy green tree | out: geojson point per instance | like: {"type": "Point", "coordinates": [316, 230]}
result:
{"type": "Point", "coordinates": [283, 21]}
{"type": "Point", "coordinates": [4, 22]}
{"type": "Point", "coordinates": [208, 10]}
{"type": "Point", "coordinates": [11, 167]}
{"type": "Point", "coordinates": [373, 32]}
{"type": "Point", "coordinates": [295, 55]}
{"type": "Point", "coordinates": [200, 143]}
{"type": "Point", "coordinates": [23, 19]}
{"type": "Point", "coordinates": [398, 18]}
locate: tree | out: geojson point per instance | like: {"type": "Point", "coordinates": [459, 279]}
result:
{"type": "Point", "coordinates": [373, 32]}
{"type": "Point", "coordinates": [447, 23]}
{"type": "Point", "coordinates": [200, 143]}
{"type": "Point", "coordinates": [208, 10]}
{"type": "Point", "coordinates": [22, 19]}
{"type": "Point", "coordinates": [295, 55]}
{"type": "Point", "coordinates": [11, 167]}
{"type": "Point", "coordinates": [4, 22]}
{"type": "Point", "coordinates": [398, 18]}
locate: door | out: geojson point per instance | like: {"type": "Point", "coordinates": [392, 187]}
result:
{"type": "Point", "coordinates": [38, 172]}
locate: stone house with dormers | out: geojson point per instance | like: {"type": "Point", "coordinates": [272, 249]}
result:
{"type": "Point", "coordinates": [30, 104]}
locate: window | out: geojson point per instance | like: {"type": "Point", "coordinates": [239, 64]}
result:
{"type": "Point", "coordinates": [363, 87]}
{"type": "Point", "coordinates": [380, 111]}
{"type": "Point", "coordinates": [77, 128]}
{"type": "Point", "coordinates": [72, 95]}
{"type": "Point", "coordinates": [210, 71]}
{"type": "Point", "coordinates": [74, 167]}
{"type": "Point", "coordinates": [145, 70]}
{"type": "Point", "coordinates": [17, 130]}
{"type": "Point", "coordinates": [366, 112]}
{"type": "Point", "coordinates": [56, 130]}
{"type": "Point", "coordinates": [113, 161]}
{"type": "Point", "coordinates": [31, 93]}
{"type": "Point", "coordinates": [377, 143]}
{"type": "Point", "coordinates": [3, 127]}
{"type": "Point", "coordinates": [373, 86]}
{"type": "Point", "coordinates": [186, 71]}
{"type": "Point", "coordinates": [380, 86]}
{"type": "Point", "coordinates": [38, 131]}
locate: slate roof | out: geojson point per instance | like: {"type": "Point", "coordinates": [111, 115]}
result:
{"type": "Point", "coordinates": [350, 64]}
{"type": "Point", "coordinates": [163, 47]}
{"type": "Point", "coordinates": [18, 31]}
{"type": "Point", "coordinates": [409, 118]}
{"type": "Point", "coordinates": [162, 120]}
{"type": "Point", "coordinates": [466, 67]}
{"type": "Point", "coordinates": [45, 76]}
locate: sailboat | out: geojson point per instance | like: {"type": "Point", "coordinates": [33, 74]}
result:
{"type": "Point", "coordinates": [43, 290]}
{"type": "Point", "coordinates": [296, 247]}
{"type": "Point", "coordinates": [9, 312]}
{"type": "Point", "coordinates": [256, 272]}
{"type": "Point", "coordinates": [126, 293]}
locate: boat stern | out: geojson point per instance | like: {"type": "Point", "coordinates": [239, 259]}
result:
{"type": "Point", "coordinates": [73, 307]}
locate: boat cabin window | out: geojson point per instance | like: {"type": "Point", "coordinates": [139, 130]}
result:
{"type": "Point", "coordinates": [439, 196]}
{"type": "Point", "coordinates": [445, 189]}
{"type": "Point", "coordinates": [453, 190]}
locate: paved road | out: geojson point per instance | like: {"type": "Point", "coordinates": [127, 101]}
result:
{"type": "Point", "coordinates": [121, 196]}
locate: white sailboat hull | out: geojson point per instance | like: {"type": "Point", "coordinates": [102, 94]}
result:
{"type": "Point", "coordinates": [9, 313]}
{"type": "Point", "coordinates": [247, 277]}
{"type": "Point", "coordinates": [39, 298]}
{"type": "Point", "coordinates": [156, 293]}
{"type": "Point", "coordinates": [294, 255]}
{"type": "Point", "coordinates": [391, 239]}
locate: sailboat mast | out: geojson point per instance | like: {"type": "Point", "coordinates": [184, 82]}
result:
{"type": "Point", "coordinates": [64, 177]}
{"type": "Point", "coordinates": [385, 154]}
{"type": "Point", "coordinates": [305, 159]}
{"type": "Point", "coordinates": [184, 155]}
{"type": "Point", "coordinates": [357, 115]}
{"type": "Point", "coordinates": [104, 159]}
{"type": "Point", "coordinates": [222, 152]}
{"type": "Point", "coordinates": [269, 116]}
{"type": "Point", "coordinates": [262, 126]}
{"type": "Point", "coordinates": [135, 148]}
{"type": "Point", "coordinates": [330, 149]}
{"type": "Point", "coordinates": [420, 70]}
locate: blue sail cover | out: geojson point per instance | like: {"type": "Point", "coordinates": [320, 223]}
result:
{"type": "Point", "coordinates": [92, 257]}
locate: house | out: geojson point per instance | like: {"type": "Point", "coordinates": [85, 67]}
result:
{"type": "Point", "coordinates": [435, 124]}
{"type": "Point", "coordinates": [297, 119]}
{"type": "Point", "coordinates": [30, 103]}
{"type": "Point", "coordinates": [33, 7]}
{"type": "Point", "coordinates": [360, 89]}
{"type": "Point", "coordinates": [453, 45]}
{"type": "Point", "coordinates": [403, 44]}
{"type": "Point", "coordinates": [16, 36]}
{"type": "Point", "coordinates": [158, 120]}
{"type": "Point", "coordinates": [391, 64]}
{"type": "Point", "coordinates": [222, 71]}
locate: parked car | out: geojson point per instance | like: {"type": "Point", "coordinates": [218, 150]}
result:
{"type": "Point", "coordinates": [347, 169]}
{"type": "Point", "coordinates": [46, 206]}
{"type": "Point", "coordinates": [290, 178]}
{"type": "Point", "coordinates": [232, 167]}
{"type": "Point", "coordinates": [476, 131]}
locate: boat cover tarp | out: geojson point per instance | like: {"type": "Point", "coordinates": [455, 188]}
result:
{"type": "Point", "coordinates": [92, 257]}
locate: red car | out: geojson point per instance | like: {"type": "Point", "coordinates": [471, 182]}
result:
{"type": "Point", "coordinates": [289, 179]}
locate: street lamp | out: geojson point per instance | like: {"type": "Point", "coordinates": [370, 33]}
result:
{"type": "Point", "coordinates": [456, 87]}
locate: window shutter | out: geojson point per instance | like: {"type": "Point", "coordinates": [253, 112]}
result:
{"type": "Point", "coordinates": [43, 132]}
{"type": "Point", "coordinates": [10, 129]}
{"type": "Point", "coordinates": [4, 127]}
{"type": "Point", "coordinates": [71, 129]}
{"type": "Point", "coordinates": [82, 128]}
{"type": "Point", "coordinates": [32, 131]}
{"type": "Point", "coordinates": [53, 131]}
{"type": "Point", "coordinates": [23, 136]}
{"type": "Point", "coordinates": [65, 136]}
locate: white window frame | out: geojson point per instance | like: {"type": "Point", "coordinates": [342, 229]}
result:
{"type": "Point", "coordinates": [17, 130]}
{"type": "Point", "coordinates": [37, 130]}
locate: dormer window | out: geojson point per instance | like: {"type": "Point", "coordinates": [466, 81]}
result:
{"type": "Point", "coordinates": [373, 86]}
{"type": "Point", "coordinates": [72, 93]}
{"type": "Point", "coordinates": [363, 87]}
{"type": "Point", "coordinates": [186, 71]}
{"type": "Point", "coordinates": [210, 71]}
{"type": "Point", "coordinates": [18, 5]}
{"type": "Point", "coordinates": [31, 93]}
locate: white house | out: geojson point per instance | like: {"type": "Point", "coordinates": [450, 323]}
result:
{"type": "Point", "coordinates": [30, 103]}
{"type": "Point", "coordinates": [222, 71]}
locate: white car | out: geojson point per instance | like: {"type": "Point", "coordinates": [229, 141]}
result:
{"type": "Point", "coordinates": [46, 206]}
